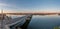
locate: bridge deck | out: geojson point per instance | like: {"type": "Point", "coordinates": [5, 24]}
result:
{"type": "Point", "coordinates": [11, 22]}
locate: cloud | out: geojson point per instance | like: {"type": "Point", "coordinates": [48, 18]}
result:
{"type": "Point", "coordinates": [7, 6]}
{"type": "Point", "coordinates": [3, 4]}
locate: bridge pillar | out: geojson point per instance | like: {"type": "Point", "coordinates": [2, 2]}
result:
{"type": "Point", "coordinates": [18, 27]}
{"type": "Point", "coordinates": [12, 27]}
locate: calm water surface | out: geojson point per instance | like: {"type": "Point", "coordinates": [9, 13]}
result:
{"type": "Point", "coordinates": [44, 22]}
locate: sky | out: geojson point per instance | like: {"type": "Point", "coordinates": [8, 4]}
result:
{"type": "Point", "coordinates": [30, 5]}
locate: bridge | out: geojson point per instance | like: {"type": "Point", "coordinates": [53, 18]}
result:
{"type": "Point", "coordinates": [20, 22]}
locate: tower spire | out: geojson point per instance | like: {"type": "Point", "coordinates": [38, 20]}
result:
{"type": "Point", "coordinates": [2, 11]}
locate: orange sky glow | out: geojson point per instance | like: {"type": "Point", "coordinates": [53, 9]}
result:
{"type": "Point", "coordinates": [12, 11]}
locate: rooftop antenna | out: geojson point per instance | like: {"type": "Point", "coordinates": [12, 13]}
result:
{"type": "Point", "coordinates": [2, 11]}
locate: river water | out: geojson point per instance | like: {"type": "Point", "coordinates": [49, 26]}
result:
{"type": "Point", "coordinates": [43, 22]}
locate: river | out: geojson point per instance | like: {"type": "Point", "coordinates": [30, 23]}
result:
{"type": "Point", "coordinates": [44, 22]}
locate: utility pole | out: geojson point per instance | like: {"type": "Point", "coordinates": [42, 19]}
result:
{"type": "Point", "coordinates": [2, 19]}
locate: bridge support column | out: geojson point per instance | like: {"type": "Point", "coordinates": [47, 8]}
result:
{"type": "Point", "coordinates": [13, 28]}
{"type": "Point", "coordinates": [18, 27]}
